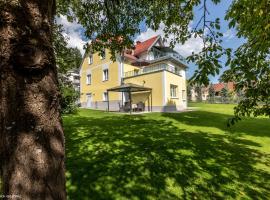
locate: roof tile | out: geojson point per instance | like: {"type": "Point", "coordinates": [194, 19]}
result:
{"type": "Point", "coordinates": [144, 46]}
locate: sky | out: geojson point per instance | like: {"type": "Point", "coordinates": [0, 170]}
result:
{"type": "Point", "coordinates": [75, 33]}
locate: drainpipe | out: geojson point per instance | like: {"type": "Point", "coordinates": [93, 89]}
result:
{"type": "Point", "coordinates": [122, 74]}
{"type": "Point", "coordinates": [122, 67]}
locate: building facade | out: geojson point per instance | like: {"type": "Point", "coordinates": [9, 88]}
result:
{"type": "Point", "coordinates": [73, 77]}
{"type": "Point", "coordinates": [151, 64]}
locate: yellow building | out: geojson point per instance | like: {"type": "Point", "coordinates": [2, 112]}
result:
{"type": "Point", "coordinates": [151, 66]}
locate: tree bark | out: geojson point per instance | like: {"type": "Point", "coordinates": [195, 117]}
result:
{"type": "Point", "coordinates": [31, 134]}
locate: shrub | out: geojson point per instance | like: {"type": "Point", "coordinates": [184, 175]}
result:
{"type": "Point", "coordinates": [69, 99]}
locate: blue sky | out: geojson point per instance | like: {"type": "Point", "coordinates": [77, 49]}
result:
{"type": "Point", "coordinates": [75, 32]}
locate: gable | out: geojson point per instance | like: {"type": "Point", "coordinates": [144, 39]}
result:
{"type": "Point", "coordinates": [141, 47]}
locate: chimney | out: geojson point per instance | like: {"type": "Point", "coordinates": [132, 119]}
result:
{"type": "Point", "coordinates": [138, 42]}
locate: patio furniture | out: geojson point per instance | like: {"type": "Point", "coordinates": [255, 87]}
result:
{"type": "Point", "coordinates": [134, 107]}
{"type": "Point", "coordinates": [130, 88]}
{"type": "Point", "coordinates": [140, 106]}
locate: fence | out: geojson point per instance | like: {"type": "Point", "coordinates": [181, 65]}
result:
{"type": "Point", "coordinates": [219, 99]}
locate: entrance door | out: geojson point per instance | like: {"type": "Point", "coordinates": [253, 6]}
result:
{"type": "Point", "coordinates": [89, 100]}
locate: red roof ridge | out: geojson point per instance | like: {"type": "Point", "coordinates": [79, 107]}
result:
{"type": "Point", "coordinates": [220, 86]}
{"type": "Point", "coordinates": [145, 45]}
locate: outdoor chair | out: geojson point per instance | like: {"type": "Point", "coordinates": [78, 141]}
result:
{"type": "Point", "coordinates": [140, 106]}
{"type": "Point", "coordinates": [134, 107]}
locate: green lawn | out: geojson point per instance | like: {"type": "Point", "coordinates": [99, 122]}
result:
{"type": "Point", "coordinates": [191, 155]}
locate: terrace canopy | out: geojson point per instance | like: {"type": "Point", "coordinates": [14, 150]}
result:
{"type": "Point", "coordinates": [129, 88]}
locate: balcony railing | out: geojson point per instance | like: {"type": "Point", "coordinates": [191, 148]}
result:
{"type": "Point", "coordinates": [154, 68]}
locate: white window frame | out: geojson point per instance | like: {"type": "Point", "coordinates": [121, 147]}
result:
{"type": "Point", "coordinates": [173, 91]}
{"type": "Point", "coordinates": [105, 96]}
{"type": "Point", "coordinates": [105, 76]}
{"type": "Point", "coordinates": [90, 59]}
{"type": "Point", "coordinates": [89, 80]}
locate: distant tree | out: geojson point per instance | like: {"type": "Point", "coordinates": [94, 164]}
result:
{"type": "Point", "coordinates": [67, 58]}
{"type": "Point", "coordinates": [224, 93]}
{"type": "Point", "coordinates": [198, 92]}
{"type": "Point", "coordinates": [211, 91]}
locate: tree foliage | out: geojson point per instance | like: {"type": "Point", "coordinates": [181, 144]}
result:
{"type": "Point", "coordinates": [115, 23]}
{"type": "Point", "coordinates": [249, 66]}
{"type": "Point", "coordinates": [211, 92]}
{"type": "Point", "coordinates": [224, 93]}
{"type": "Point", "coordinates": [198, 91]}
{"type": "Point", "coordinates": [67, 59]}
{"type": "Point", "coordinates": [69, 97]}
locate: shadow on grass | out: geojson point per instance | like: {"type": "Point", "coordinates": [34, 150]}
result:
{"type": "Point", "coordinates": [250, 126]}
{"type": "Point", "coordinates": [133, 157]}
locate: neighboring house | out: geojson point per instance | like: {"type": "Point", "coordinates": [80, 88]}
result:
{"type": "Point", "coordinates": [150, 65]}
{"type": "Point", "coordinates": [74, 78]}
{"type": "Point", "coordinates": [219, 86]}
{"type": "Point", "coordinates": [205, 90]}
{"type": "Point", "coordinates": [195, 94]}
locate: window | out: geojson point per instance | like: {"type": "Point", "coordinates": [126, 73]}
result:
{"type": "Point", "coordinates": [173, 90]}
{"type": "Point", "coordinates": [178, 71]}
{"type": "Point", "coordinates": [105, 96]}
{"type": "Point", "coordinates": [90, 59]}
{"type": "Point", "coordinates": [105, 74]}
{"type": "Point", "coordinates": [103, 54]}
{"type": "Point", "coordinates": [183, 94]}
{"type": "Point", "coordinates": [88, 79]}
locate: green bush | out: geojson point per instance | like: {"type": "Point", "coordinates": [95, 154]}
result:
{"type": "Point", "coordinates": [69, 98]}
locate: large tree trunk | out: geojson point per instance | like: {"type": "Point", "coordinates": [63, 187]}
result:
{"type": "Point", "coordinates": [31, 135]}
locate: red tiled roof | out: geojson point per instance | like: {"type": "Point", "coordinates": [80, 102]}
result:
{"type": "Point", "coordinates": [219, 86]}
{"type": "Point", "coordinates": [144, 46]}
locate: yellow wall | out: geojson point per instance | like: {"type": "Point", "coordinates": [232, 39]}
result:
{"type": "Point", "coordinates": [151, 80]}
{"type": "Point", "coordinates": [98, 86]}
{"type": "Point", "coordinates": [128, 67]}
{"type": "Point", "coordinates": [159, 82]}
{"type": "Point", "coordinates": [174, 80]}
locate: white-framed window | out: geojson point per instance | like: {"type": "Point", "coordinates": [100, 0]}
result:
{"type": "Point", "coordinates": [105, 96]}
{"type": "Point", "coordinates": [88, 79]}
{"type": "Point", "coordinates": [184, 94]}
{"type": "Point", "coordinates": [173, 91]}
{"type": "Point", "coordinates": [90, 59]}
{"type": "Point", "coordinates": [103, 54]}
{"type": "Point", "coordinates": [105, 74]}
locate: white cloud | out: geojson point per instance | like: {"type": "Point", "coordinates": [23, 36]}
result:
{"type": "Point", "coordinates": [192, 45]}
{"type": "Point", "coordinates": [73, 31]}
{"type": "Point", "coordinates": [229, 34]}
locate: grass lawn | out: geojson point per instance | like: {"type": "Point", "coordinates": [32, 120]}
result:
{"type": "Point", "coordinates": [191, 155]}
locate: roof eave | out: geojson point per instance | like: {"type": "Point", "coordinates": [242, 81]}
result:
{"type": "Point", "coordinates": [169, 58]}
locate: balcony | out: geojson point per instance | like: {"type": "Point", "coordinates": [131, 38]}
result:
{"type": "Point", "coordinates": [167, 52]}
{"type": "Point", "coordinates": [150, 69]}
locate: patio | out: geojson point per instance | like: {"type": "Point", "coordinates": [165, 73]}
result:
{"type": "Point", "coordinates": [129, 106]}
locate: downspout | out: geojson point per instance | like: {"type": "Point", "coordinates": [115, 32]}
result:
{"type": "Point", "coordinates": [122, 67]}
{"type": "Point", "coordinates": [122, 74]}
